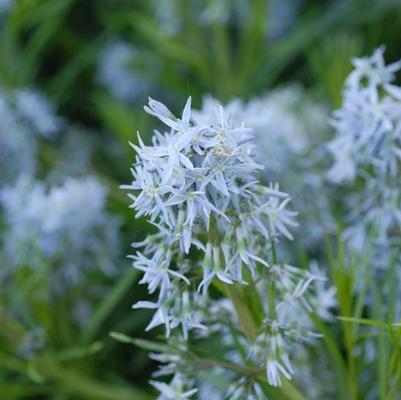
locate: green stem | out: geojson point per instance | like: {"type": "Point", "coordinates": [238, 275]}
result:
{"type": "Point", "coordinates": [249, 327]}
{"type": "Point", "coordinates": [271, 296]}
{"type": "Point", "coordinates": [243, 314]}
{"type": "Point", "coordinates": [250, 330]}
{"type": "Point", "coordinates": [344, 281]}
{"type": "Point", "coordinates": [291, 391]}
{"type": "Point", "coordinates": [274, 253]}
{"type": "Point", "coordinates": [271, 286]}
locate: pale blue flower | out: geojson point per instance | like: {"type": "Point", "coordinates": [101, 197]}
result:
{"type": "Point", "coordinates": [55, 226]}
{"type": "Point", "coordinates": [175, 390]}
{"type": "Point", "coordinates": [288, 129]}
{"type": "Point", "coordinates": [6, 6]}
{"type": "Point", "coordinates": [197, 184]}
{"type": "Point", "coordinates": [26, 115]}
{"type": "Point", "coordinates": [32, 343]}
{"type": "Point", "coordinates": [244, 389]}
{"type": "Point", "coordinates": [367, 148]}
{"type": "Point", "coordinates": [368, 123]}
{"type": "Point", "coordinates": [372, 71]}
{"type": "Point", "coordinates": [37, 111]}
{"type": "Point", "coordinates": [366, 154]}
{"type": "Point", "coordinates": [156, 271]}
{"type": "Point", "coordinates": [273, 348]}
{"type": "Point", "coordinates": [121, 71]}
{"type": "Point", "coordinates": [17, 146]}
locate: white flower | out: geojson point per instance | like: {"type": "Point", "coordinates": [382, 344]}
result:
{"type": "Point", "coordinates": [157, 273]}
{"type": "Point", "coordinates": [292, 280]}
{"type": "Point", "coordinates": [175, 390]}
{"type": "Point", "coordinates": [160, 111]}
{"type": "Point", "coordinates": [275, 369]}
{"type": "Point", "coordinates": [270, 347]}
{"type": "Point", "coordinates": [273, 346]}
{"type": "Point", "coordinates": [279, 217]}
{"type": "Point", "coordinates": [244, 389]}
{"type": "Point", "coordinates": [175, 309]}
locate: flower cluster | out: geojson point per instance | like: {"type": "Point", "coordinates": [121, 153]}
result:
{"type": "Point", "coordinates": [272, 346]}
{"type": "Point", "coordinates": [368, 124]}
{"type": "Point", "coordinates": [119, 71]}
{"type": "Point", "coordinates": [34, 109]}
{"type": "Point", "coordinates": [175, 389]}
{"type": "Point", "coordinates": [26, 115]}
{"type": "Point", "coordinates": [367, 161]}
{"type": "Point", "coordinates": [367, 151]}
{"type": "Point", "coordinates": [51, 221]}
{"type": "Point", "coordinates": [5, 7]}
{"type": "Point", "coordinates": [288, 128]}
{"type": "Point", "coordinates": [197, 184]}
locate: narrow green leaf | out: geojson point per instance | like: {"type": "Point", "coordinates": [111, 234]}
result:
{"type": "Point", "coordinates": [108, 305]}
{"type": "Point", "coordinates": [364, 321]}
